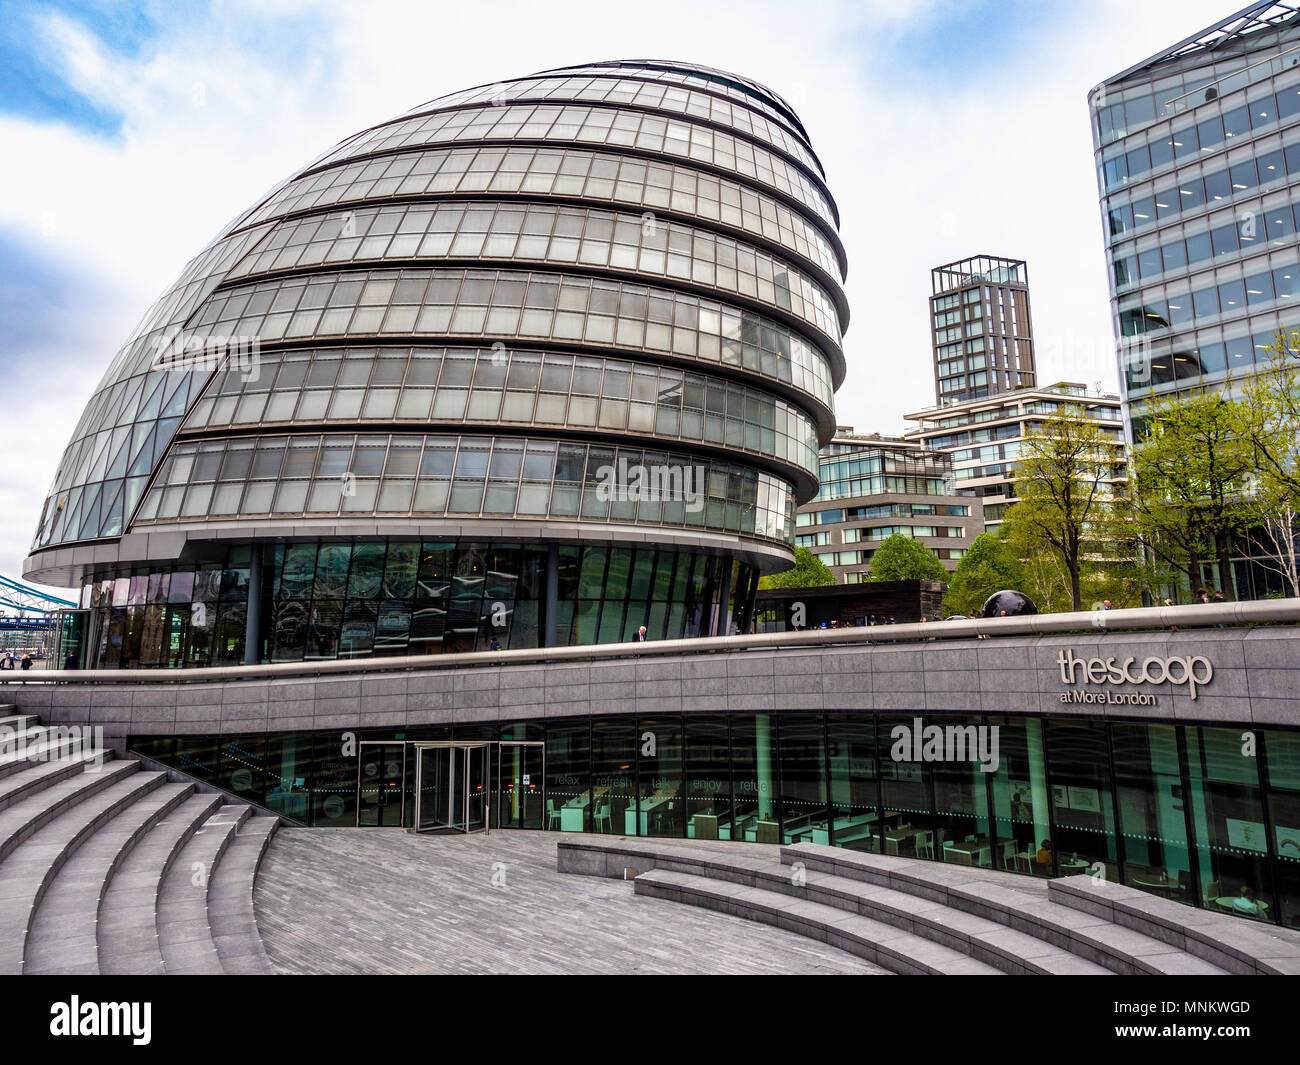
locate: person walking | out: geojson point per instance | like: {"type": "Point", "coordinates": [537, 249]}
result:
{"type": "Point", "coordinates": [640, 636]}
{"type": "Point", "coordinates": [8, 661]}
{"type": "Point", "coordinates": [27, 661]}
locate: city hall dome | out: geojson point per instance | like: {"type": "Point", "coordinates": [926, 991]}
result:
{"type": "Point", "coordinates": [536, 363]}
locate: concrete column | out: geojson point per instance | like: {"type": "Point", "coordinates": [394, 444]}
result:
{"type": "Point", "coordinates": [552, 602]}
{"type": "Point", "coordinates": [723, 627]}
{"type": "Point", "coordinates": [253, 619]}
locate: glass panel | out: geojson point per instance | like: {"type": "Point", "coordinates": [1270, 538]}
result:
{"type": "Point", "coordinates": [660, 809]}
{"type": "Point", "coordinates": [1228, 823]}
{"type": "Point", "coordinates": [1149, 787]}
{"type": "Point", "coordinates": [803, 777]}
{"type": "Point", "coordinates": [1082, 811]}
{"type": "Point", "coordinates": [708, 778]}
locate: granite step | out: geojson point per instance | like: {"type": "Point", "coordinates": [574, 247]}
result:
{"type": "Point", "coordinates": [1092, 937]}
{"type": "Point", "coordinates": [43, 792]}
{"type": "Point", "coordinates": [230, 900]}
{"type": "Point", "coordinates": [64, 934]}
{"type": "Point", "coordinates": [885, 945]}
{"type": "Point", "coordinates": [184, 932]}
{"type": "Point", "coordinates": [29, 868]}
{"type": "Point", "coordinates": [45, 748]}
{"type": "Point", "coordinates": [128, 926]}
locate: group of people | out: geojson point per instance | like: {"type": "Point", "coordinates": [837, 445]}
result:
{"type": "Point", "coordinates": [10, 662]}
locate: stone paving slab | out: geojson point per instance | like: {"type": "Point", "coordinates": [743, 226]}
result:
{"type": "Point", "coordinates": [387, 901]}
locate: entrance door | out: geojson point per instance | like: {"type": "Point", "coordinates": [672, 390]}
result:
{"type": "Point", "coordinates": [381, 785]}
{"type": "Point", "coordinates": [521, 771]}
{"type": "Point", "coordinates": [451, 787]}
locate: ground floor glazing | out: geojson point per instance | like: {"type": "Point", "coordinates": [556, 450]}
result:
{"type": "Point", "coordinates": [1207, 816]}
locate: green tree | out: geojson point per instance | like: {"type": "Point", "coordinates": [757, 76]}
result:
{"type": "Point", "coordinates": [1063, 476]}
{"type": "Point", "coordinates": [1195, 474]}
{"type": "Point", "coordinates": [1272, 408]}
{"type": "Point", "coordinates": [900, 558]}
{"type": "Point", "coordinates": [808, 571]}
{"type": "Point", "coordinates": [988, 566]}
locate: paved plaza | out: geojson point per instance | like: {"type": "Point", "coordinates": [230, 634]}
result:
{"type": "Point", "coordinates": [387, 901]}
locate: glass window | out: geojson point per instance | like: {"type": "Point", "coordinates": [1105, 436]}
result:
{"type": "Point", "coordinates": [1228, 827]}
{"type": "Point", "coordinates": [1082, 810]}
{"type": "Point", "coordinates": [1153, 826]}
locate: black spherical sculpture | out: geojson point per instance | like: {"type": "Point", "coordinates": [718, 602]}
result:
{"type": "Point", "coordinates": [1009, 604]}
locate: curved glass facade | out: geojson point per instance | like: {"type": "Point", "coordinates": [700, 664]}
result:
{"type": "Point", "coordinates": [522, 171]}
{"type": "Point", "coordinates": [606, 127]}
{"type": "Point", "coordinates": [461, 386]}
{"type": "Point", "coordinates": [602, 304]}
{"type": "Point", "coordinates": [358, 599]}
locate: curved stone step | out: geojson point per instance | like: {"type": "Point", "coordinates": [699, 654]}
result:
{"type": "Point", "coordinates": [51, 789]}
{"type": "Point", "coordinates": [1234, 944]}
{"type": "Point", "coordinates": [14, 721]}
{"type": "Point", "coordinates": [889, 947]}
{"type": "Point", "coordinates": [985, 940]}
{"type": "Point", "coordinates": [230, 900]}
{"type": "Point", "coordinates": [127, 928]}
{"type": "Point", "coordinates": [184, 933]}
{"type": "Point", "coordinates": [64, 934]}
{"type": "Point", "coordinates": [36, 776]}
{"type": "Point", "coordinates": [27, 872]}
{"type": "Point", "coordinates": [47, 748]}
{"type": "Point", "coordinates": [1095, 938]}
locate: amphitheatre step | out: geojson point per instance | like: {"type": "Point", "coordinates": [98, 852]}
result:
{"type": "Point", "coordinates": [184, 932]}
{"type": "Point", "coordinates": [37, 747]}
{"type": "Point", "coordinates": [992, 896]}
{"type": "Point", "coordinates": [11, 722]}
{"type": "Point", "coordinates": [1235, 944]}
{"type": "Point", "coordinates": [127, 929]}
{"type": "Point", "coordinates": [29, 869]}
{"type": "Point", "coordinates": [230, 899]}
{"type": "Point", "coordinates": [43, 792]}
{"type": "Point", "coordinates": [995, 944]}
{"type": "Point", "coordinates": [883, 944]}
{"type": "Point", "coordinates": [63, 935]}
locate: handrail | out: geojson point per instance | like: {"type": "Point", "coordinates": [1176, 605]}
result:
{"type": "Point", "coordinates": [1255, 612]}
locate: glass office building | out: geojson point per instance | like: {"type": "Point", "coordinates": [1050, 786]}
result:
{"type": "Point", "coordinates": [1198, 165]}
{"type": "Point", "coordinates": [535, 363]}
{"type": "Point", "coordinates": [1172, 809]}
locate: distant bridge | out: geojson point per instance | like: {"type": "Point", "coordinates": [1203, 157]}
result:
{"type": "Point", "coordinates": [17, 596]}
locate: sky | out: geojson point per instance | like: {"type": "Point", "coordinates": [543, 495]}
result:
{"type": "Point", "coordinates": [948, 128]}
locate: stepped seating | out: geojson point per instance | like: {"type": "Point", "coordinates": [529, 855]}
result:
{"type": "Point", "coordinates": [109, 868]}
{"type": "Point", "coordinates": [913, 916]}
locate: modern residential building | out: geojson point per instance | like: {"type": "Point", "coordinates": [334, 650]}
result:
{"type": "Point", "coordinates": [1198, 168]}
{"type": "Point", "coordinates": [982, 438]}
{"type": "Point", "coordinates": [533, 364]}
{"type": "Point", "coordinates": [980, 328]}
{"type": "Point", "coordinates": [875, 486]}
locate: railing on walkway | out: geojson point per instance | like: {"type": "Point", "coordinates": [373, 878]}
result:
{"type": "Point", "coordinates": [1096, 622]}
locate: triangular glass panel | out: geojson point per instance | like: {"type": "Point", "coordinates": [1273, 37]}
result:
{"type": "Point", "coordinates": [90, 513]}
{"type": "Point", "coordinates": [134, 490]}
{"type": "Point", "coordinates": [111, 520]}
{"type": "Point", "coordinates": [143, 463]}
{"type": "Point", "coordinates": [149, 410]}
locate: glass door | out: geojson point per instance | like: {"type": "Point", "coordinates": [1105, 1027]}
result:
{"type": "Point", "coordinates": [381, 785]}
{"type": "Point", "coordinates": [520, 773]}
{"type": "Point", "coordinates": [451, 781]}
